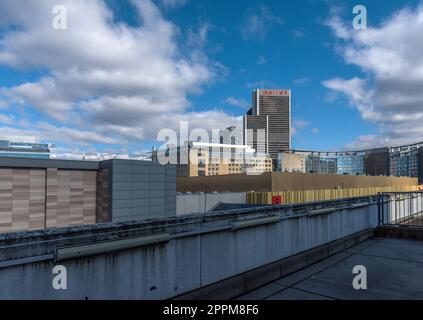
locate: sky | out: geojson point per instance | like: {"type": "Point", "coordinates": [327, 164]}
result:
{"type": "Point", "coordinates": [123, 70]}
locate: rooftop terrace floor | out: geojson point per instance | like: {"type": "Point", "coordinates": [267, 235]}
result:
{"type": "Point", "coordinates": [394, 271]}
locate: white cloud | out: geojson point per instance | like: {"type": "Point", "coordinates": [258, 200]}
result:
{"type": "Point", "coordinates": [51, 133]}
{"type": "Point", "coordinates": [299, 125]}
{"type": "Point", "coordinates": [391, 57]}
{"type": "Point", "coordinates": [107, 80]}
{"type": "Point", "coordinates": [262, 84]}
{"type": "Point", "coordinates": [261, 60]}
{"type": "Point", "coordinates": [8, 120]}
{"type": "Point", "coordinates": [298, 33]}
{"type": "Point", "coordinates": [257, 23]}
{"type": "Point", "coordinates": [242, 103]}
{"type": "Point", "coordinates": [301, 81]}
{"type": "Point", "coordinates": [172, 4]}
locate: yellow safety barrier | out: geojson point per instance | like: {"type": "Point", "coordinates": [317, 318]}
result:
{"type": "Point", "coordinates": [300, 196]}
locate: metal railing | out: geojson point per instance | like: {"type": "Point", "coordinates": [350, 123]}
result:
{"type": "Point", "coordinates": [401, 208]}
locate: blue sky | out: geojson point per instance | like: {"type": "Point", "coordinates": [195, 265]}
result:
{"type": "Point", "coordinates": [123, 70]}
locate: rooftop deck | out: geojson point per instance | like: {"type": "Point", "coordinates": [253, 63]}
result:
{"type": "Point", "coordinates": [394, 271]}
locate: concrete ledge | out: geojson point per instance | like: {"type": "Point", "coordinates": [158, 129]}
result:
{"type": "Point", "coordinates": [243, 224]}
{"type": "Point", "coordinates": [48, 163]}
{"type": "Point", "coordinates": [401, 232]}
{"type": "Point", "coordinates": [321, 211]}
{"type": "Point", "coordinates": [359, 205]}
{"type": "Point", "coordinates": [238, 285]}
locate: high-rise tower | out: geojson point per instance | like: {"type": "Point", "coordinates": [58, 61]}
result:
{"type": "Point", "coordinates": [271, 111]}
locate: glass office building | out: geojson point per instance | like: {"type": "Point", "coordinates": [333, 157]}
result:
{"type": "Point", "coordinates": [332, 162]}
{"type": "Point", "coordinates": [350, 164]}
{"type": "Point", "coordinates": [318, 163]}
{"type": "Point", "coordinates": [23, 147]}
{"type": "Point", "coordinates": [404, 161]}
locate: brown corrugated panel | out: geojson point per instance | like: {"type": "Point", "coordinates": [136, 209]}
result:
{"type": "Point", "coordinates": [51, 198]}
{"type": "Point", "coordinates": [6, 199]}
{"type": "Point", "coordinates": [37, 197]}
{"type": "Point", "coordinates": [232, 183]}
{"type": "Point", "coordinates": [22, 194]}
{"type": "Point", "coordinates": [71, 197]}
{"type": "Point", "coordinates": [281, 181]}
{"type": "Point", "coordinates": [102, 211]}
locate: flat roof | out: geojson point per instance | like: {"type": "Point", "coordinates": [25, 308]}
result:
{"type": "Point", "coordinates": [393, 272]}
{"type": "Point", "coordinates": [6, 162]}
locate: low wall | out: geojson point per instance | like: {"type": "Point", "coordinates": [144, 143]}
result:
{"type": "Point", "coordinates": [301, 196]}
{"type": "Point", "coordinates": [283, 181]}
{"type": "Point", "coordinates": [200, 203]}
{"type": "Point", "coordinates": [32, 199]}
{"type": "Point", "coordinates": [165, 258]}
{"type": "Point", "coordinates": [43, 193]}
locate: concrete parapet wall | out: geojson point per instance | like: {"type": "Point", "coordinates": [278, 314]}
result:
{"type": "Point", "coordinates": [300, 196]}
{"type": "Point", "coordinates": [200, 203]}
{"type": "Point", "coordinates": [283, 181]}
{"type": "Point", "coordinates": [194, 251]}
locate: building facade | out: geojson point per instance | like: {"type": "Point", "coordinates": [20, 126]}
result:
{"type": "Point", "coordinates": [376, 162]}
{"type": "Point", "coordinates": [401, 161]}
{"type": "Point", "coordinates": [271, 110]}
{"type": "Point", "coordinates": [404, 161]}
{"type": "Point", "coordinates": [211, 159]}
{"type": "Point", "coordinates": [23, 147]}
{"type": "Point", "coordinates": [43, 193]}
{"type": "Point", "coordinates": [350, 163]}
{"type": "Point", "coordinates": [291, 162]}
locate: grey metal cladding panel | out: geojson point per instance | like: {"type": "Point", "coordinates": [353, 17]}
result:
{"type": "Point", "coordinates": [122, 195]}
{"type": "Point", "coordinates": [48, 163]}
{"type": "Point", "coordinates": [15, 162]}
{"type": "Point", "coordinates": [154, 178]}
{"type": "Point", "coordinates": [141, 211]}
{"type": "Point", "coordinates": [170, 184]}
{"type": "Point", "coordinates": [171, 179]}
{"type": "Point", "coordinates": [120, 203]}
{"type": "Point", "coordinates": [158, 211]}
{"type": "Point", "coordinates": [44, 163]}
{"type": "Point", "coordinates": [171, 169]}
{"type": "Point", "coordinates": [170, 205]}
{"type": "Point", "coordinates": [140, 194]}
{"type": "Point", "coordinates": [141, 163]}
{"type": "Point", "coordinates": [140, 203]}
{"type": "Point", "coordinates": [122, 177]}
{"type": "Point", "coordinates": [140, 178]}
{"type": "Point", "coordinates": [121, 168]}
{"type": "Point", "coordinates": [123, 218]}
{"type": "Point", "coordinates": [170, 208]}
{"type": "Point", "coordinates": [171, 212]}
{"type": "Point", "coordinates": [141, 169]}
{"type": "Point", "coordinates": [136, 217]}
{"type": "Point", "coordinates": [121, 212]}
{"type": "Point", "coordinates": [122, 186]}
{"type": "Point", "coordinates": [170, 197]}
{"type": "Point", "coordinates": [83, 165]}
{"type": "Point", "coordinates": [125, 162]}
{"type": "Point", "coordinates": [156, 186]}
{"type": "Point", "coordinates": [157, 202]}
{"type": "Point", "coordinates": [140, 186]}
{"type": "Point", "coordinates": [157, 194]}
{"type": "Point", "coordinates": [105, 164]}
{"type": "Point", "coordinates": [158, 169]}
{"type": "Point", "coordinates": [170, 189]}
